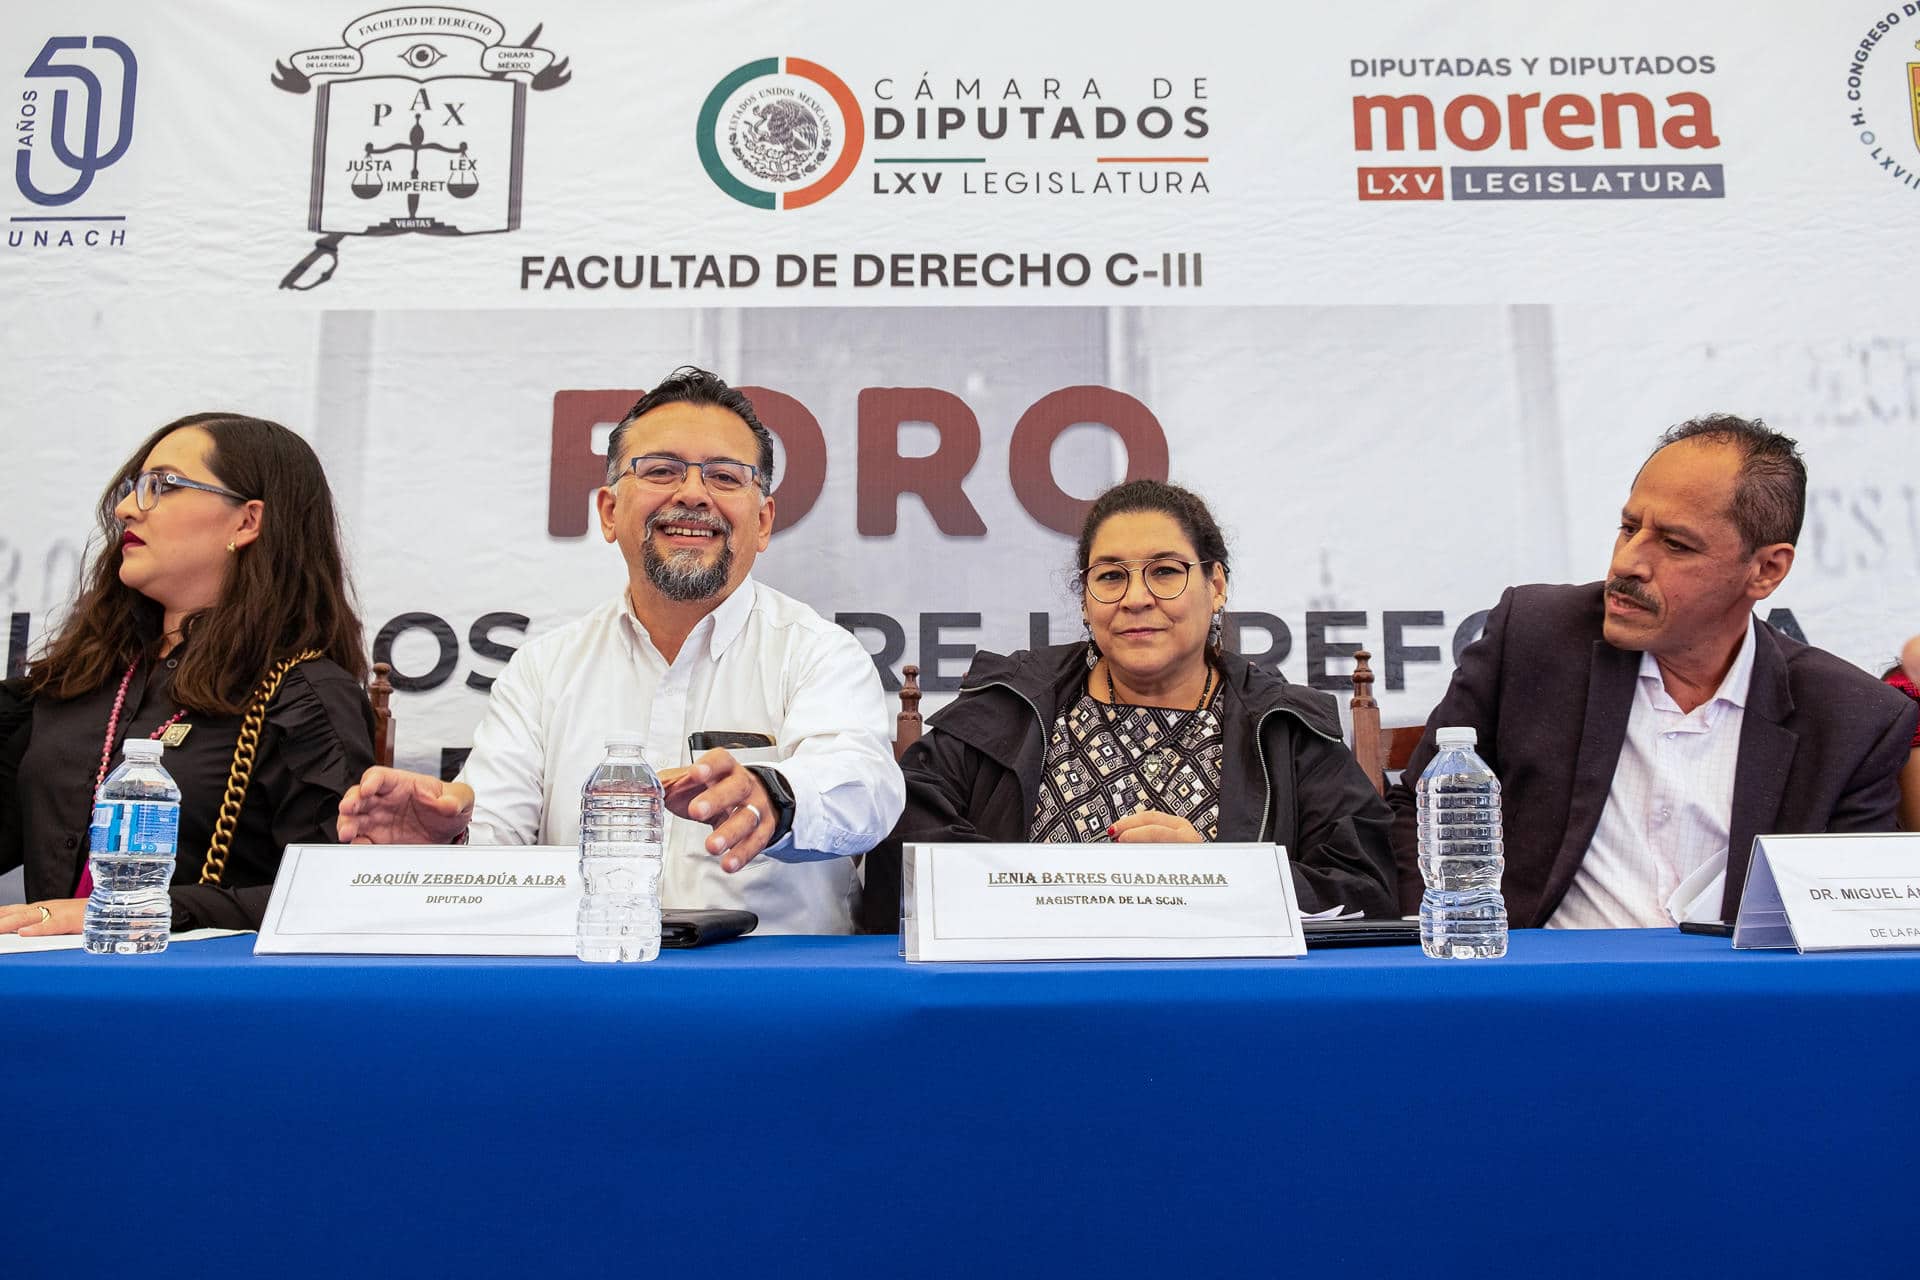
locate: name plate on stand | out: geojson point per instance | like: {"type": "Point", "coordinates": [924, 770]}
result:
{"type": "Point", "coordinates": [1097, 902]}
{"type": "Point", "coordinates": [1854, 892]}
{"type": "Point", "coordinates": [423, 900]}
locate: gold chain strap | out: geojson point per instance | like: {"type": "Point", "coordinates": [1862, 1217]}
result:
{"type": "Point", "coordinates": [242, 771]}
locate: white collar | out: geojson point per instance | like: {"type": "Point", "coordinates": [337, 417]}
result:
{"type": "Point", "coordinates": [723, 624]}
{"type": "Point", "coordinates": [1733, 686]}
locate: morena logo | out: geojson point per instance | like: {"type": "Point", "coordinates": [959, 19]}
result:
{"type": "Point", "coordinates": [1564, 121]}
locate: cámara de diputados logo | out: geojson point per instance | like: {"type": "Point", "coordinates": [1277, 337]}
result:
{"type": "Point", "coordinates": [419, 118]}
{"type": "Point", "coordinates": [780, 133]}
{"type": "Point", "coordinates": [784, 133]}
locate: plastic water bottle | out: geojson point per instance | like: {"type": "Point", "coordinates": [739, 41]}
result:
{"type": "Point", "coordinates": [1462, 915]}
{"type": "Point", "coordinates": [136, 821]}
{"type": "Point", "coordinates": [622, 813]}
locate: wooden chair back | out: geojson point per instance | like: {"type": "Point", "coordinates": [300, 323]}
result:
{"type": "Point", "coordinates": [1379, 751]}
{"type": "Point", "coordinates": [380, 693]}
{"type": "Point", "coordinates": [906, 725]}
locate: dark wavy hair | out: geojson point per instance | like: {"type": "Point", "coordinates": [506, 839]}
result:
{"type": "Point", "coordinates": [285, 592]}
{"type": "Point", "coordinates": [691, 385]}
{"type": "Point", "coordinates": [1185, 506]}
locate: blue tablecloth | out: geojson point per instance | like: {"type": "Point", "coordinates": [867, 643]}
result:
{"type": "Point", "coordinates": [1628, 1103]}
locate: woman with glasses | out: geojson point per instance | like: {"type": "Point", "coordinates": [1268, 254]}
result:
{"type": "Point", "coordinates": [1148, 731]}
{"type": "Point", "coordinates": [216, 617]}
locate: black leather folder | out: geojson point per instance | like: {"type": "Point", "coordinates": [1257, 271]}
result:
{"type": "Point", "coordinates": [1361, 933]}
{"type": "Point", "coordinates": [691, 928]}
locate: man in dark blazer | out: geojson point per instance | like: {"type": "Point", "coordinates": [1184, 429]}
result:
{"type": "Point", "coordinates": [1580, 693]}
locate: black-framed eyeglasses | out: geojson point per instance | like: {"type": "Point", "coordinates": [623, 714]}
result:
{"type": "Point", "coordinates": [1165, 578]}
{"type": "Point", "coordinates": [721, 475]}
{"type": "Point", "coordinates": [147, 487]}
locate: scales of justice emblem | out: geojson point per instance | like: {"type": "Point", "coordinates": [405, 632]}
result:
{"type": "Point", "coordinates": [419, 121]}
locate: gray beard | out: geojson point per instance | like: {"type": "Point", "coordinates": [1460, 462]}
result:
{"type": "Point", "coordinates": [682, 576]}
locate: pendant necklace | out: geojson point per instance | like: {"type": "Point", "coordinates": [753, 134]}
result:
{"type": "Point", "coordinates": [1175, 736]}
{"type": "Point", "coordinates": [113, 725]}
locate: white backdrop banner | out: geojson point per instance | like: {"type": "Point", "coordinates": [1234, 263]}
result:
{"type": "Point", "coordinates": [1407, 295]}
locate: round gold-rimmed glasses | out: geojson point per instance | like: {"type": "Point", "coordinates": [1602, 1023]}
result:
{"type": "Point", "coordinates": [1165, 578]}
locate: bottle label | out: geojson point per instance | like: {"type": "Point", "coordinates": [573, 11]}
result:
{"type": "Point", "coordinates": [121, 826]}
{"type": "Point", "coordinates": [101, 834]}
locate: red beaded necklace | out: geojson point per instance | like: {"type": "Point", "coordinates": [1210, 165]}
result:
{"type": "Point", "coordinates": [113, 723]}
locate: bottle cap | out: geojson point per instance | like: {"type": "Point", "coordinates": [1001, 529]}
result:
{"type": "Point", "coordinates": [626, 738]}
{"type": "Point", "coordinates": [1456, 736]}
{"type": "Point", "coordinates": [142, 748]}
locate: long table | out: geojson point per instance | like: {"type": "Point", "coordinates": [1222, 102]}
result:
{"type": "Point", "coordinates": [1594, 1104]}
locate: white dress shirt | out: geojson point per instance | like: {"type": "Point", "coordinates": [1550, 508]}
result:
{"type": "Point", "coordinates": [761, 662]}
{"type": "Point", "coordinates": [1669, 808]}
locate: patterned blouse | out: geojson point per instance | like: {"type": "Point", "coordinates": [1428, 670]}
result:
{"type": "Point", "coordinates": [1104, 762]}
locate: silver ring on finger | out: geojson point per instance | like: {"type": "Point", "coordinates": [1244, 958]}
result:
{"type": "Point", "coordinates": [758, 816]}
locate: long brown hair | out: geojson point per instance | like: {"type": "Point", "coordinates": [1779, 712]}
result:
{"type": "Point", "coordinates": [285, 592]}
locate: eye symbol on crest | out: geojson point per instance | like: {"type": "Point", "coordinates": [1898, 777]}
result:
{"type": "Point", "coordinates": [421, 56]}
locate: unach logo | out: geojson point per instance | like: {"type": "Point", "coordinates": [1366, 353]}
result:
{"type": "Point", "coordinates": [90, 157]}
{"type": "Point", "coordinates": [780, 133]}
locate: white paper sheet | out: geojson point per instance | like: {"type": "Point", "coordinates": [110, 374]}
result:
{"type": "Point", "coordinates": [1697, 898]}
{"type": "Point", "coordinates": [14, 944]}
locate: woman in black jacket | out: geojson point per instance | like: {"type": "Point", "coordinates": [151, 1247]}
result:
{"type": "Point", "coordinates": [1148, 731]}
{"type": "Point", "coordinates": [215, 615]}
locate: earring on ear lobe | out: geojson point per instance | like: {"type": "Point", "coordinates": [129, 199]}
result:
{"type": "Point", "coordinates": [231, 548]}
{"type": "Point", "coordinates": [1093, 650]}
{"type": "Point", "coordinates": [1217, 628]}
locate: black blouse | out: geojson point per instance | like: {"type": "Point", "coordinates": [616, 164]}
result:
{"type": "Point", "coordinates": [317, 741]}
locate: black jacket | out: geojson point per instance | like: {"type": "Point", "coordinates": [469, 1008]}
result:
{"type": "Point", "coordinates": [1821, 743]}
{"type": "Point", "coordinates": [1287, 777]}
{"type": "Point", "coordinates": [316, 742]}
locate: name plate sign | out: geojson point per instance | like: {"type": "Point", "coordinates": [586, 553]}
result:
{"type": "Point", "coordinates": [1097, 902]}
{"type": "Point", "coordinates": [423, 900]}
{"type": "Point", "coordinates": [1831, 893]}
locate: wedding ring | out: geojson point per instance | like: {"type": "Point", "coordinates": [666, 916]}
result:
{"type": "Point", "coordinates": [757, 815]}
{"type": "Point", "coordinates": [45, 915]}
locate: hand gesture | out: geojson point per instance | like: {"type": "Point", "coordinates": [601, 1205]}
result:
{"type": "Point", "coordinates": [718, 790]}
{"type": "Point", "coordinates": [393, 806]}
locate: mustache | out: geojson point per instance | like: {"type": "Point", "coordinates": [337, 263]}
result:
{"type": "Point", "coordinates": [682, 515]}
{"type": "Point", "coordinates": [1631, 591]}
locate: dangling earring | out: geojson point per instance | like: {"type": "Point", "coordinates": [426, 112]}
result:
{"type": "Point", "coordinates": [1216, 629]}
{"type": "Point", "coordinates": [1093, 650]}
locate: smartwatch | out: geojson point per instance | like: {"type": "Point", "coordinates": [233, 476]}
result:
{"type": "Point", "coordinates": [781, 795]}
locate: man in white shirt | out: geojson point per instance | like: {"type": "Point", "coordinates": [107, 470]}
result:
{"type": "Point", "coordinates": [691, 644]}
{"type": "Point", "coordinates": [1646, 728]}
